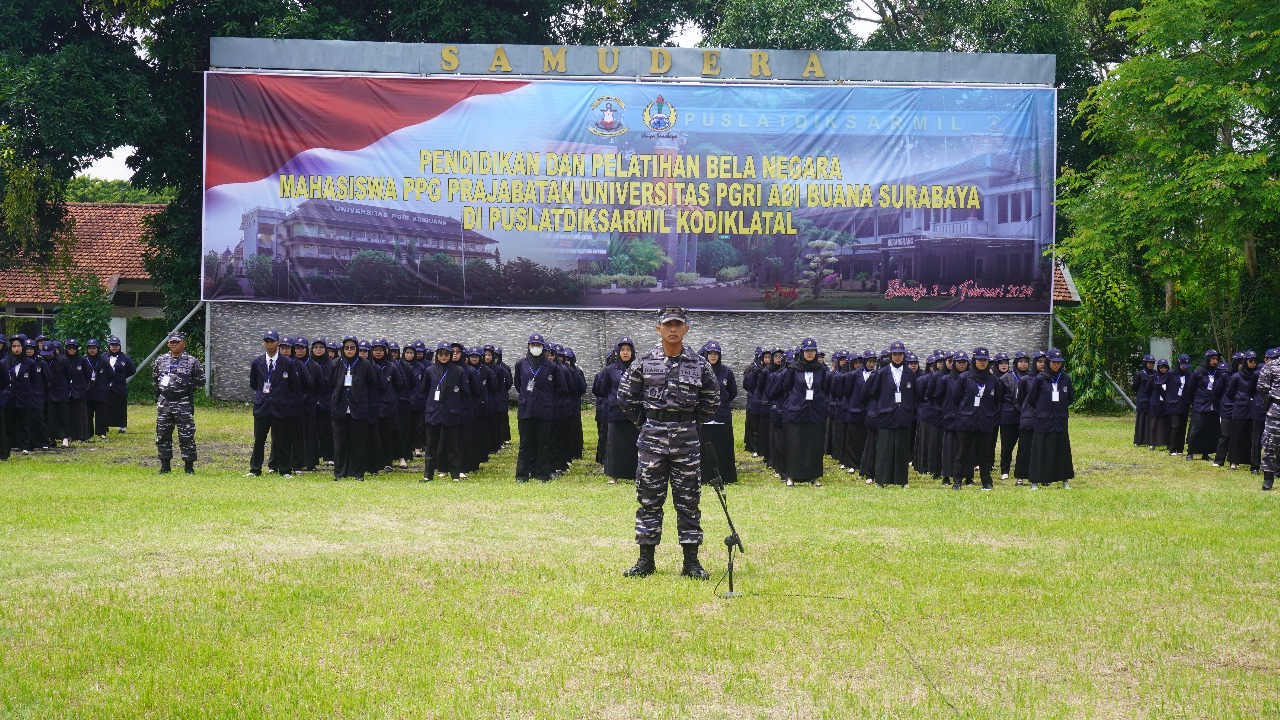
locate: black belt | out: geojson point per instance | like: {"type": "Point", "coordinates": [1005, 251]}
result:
{"type": "Point", "coordinates": [670, 416]}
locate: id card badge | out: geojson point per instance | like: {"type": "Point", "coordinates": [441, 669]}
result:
{"type": "Point", "coordinates": [113, 361]}
{"type": "Point", "coordinates": [527, 388]}
{"type": "Point", "coordinates": [977, 401]}
{"type": "Point", "coordinates": [93, 375]}
{"type": "Point", "coordinates": [164, 381]}
{"type": "Point", "coordinates": [1055, 396]}
{"type": "Point", "coordinates": [897, 397]}
{"type": "Point", "coordinates": [437, 394]}
{"type": "Point", "coordinates": [266, 388]}
{"type": "Point", "coordinates": [808, 394]}
{"type": "Point", "coordinates": [346, 382]}
{"type": "Point", "coordinates": [1210, 382]}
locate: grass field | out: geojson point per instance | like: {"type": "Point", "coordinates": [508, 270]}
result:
{"type": "Point", "coordinates": [1149, 590]}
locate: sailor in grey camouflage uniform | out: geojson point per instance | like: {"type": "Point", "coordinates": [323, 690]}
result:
{"type": "Point", "coordinates": [667, 392]}
{"type": "Point", "coordinates": [1269, 396]}
{"type": "Point", "coordinates": [176, 376]}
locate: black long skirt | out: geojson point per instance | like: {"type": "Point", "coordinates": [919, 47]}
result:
{"type": "Point", "coordinates": [751, 436]}
{"type": "Point", "coordinates": [804, 451]}
{"type": "Point", "coordinates": [1051, 458]}
{"type": "Point", "coordinates": [893, 450]}
{"type": "Point", "coordinates": [720, 437]}
{"type": "Point", "coordinates": [933, 453]}
{"type": "Point", "coordinates": [1177, 433]}
{"type": "Point", "coordinates": [868, 466]}
{"type": "Point", "coordinates": [1202, 438]}
{"type": "Point", "coordinates": [1161, 427]}
{"type": "Point", "coordinates": [778, 450]}
{"type": "Point", "coordinates": [920, 447]}
{"type": "Point", "coordinates": [620, 450]}
{"type": "Point", "coordinates": [602, 440]}
{"type": "Point", "coordinates": [837, 429]}
{"type": "Point", "coordinates": [79, 420]}
{"type": "Point", "coordinates": [949, 448]}
{"type": "Point", "coordinates": [1142, 429]}
{"type": "Point", "coordinates": [1240, 446]}
{"type": "Point", "coordinates": [855, 443]}
{"type": "Point", "coordinates": [764, 442]}
{"type": "Point", "coordinates": [117, 410]}
{"type": "Point", "coordinates": [1022, 458]}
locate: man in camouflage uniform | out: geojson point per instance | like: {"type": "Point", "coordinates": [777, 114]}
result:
{"type": "Point", "coordinates": [667, 392]}
{"type": "Point", "coordinates": [176, 376]}
{"type": "Point", "coordinates": [1269, 396]}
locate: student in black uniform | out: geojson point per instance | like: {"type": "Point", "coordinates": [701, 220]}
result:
{"type": "Point", "coordinates": [718, 431]}
{"type": "Point", "coordinates": [1050, 397]}
{"type": "Point", "coordinates": [100, 375]}
{"type": "Point", "coordinates": [977, 414]}
{"type": "Point", "coordinates": [892, 395]}
{"type": "Point", "coordinates": [349, 382]}
{"type": "Point", "coordinates": [118, 397]}
{"type": "Point", "coordinates": [324, 425]}
{"type": "Point", "coordinates": [1011, 411]}
{"type": "Point", "coordinates": [447, 392]}
{"type": "Point", "coordinates": [277, 390]}
{"type": "Point", "coordinates": [79, 372]}
{"type": "Point", "coordinates": [620, 451]}
{"type": "Point", "coordinates": [58, 402]}
{"type": "Point", "coordinates": [1141, 385]}
{"type": "Point", "coordinates": [801, 394]}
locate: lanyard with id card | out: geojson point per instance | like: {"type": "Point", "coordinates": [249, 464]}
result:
{"type": "Point", "coordinates": [808, 380]}
{"type": "Point", "coordinates": [445, 376]}
{"type": "Point", "coordinates": [527, 388]}
{"type": "Point", "coordinates": [977, 399]}
{"type": "Point", "coordinates": [266, 385]}
{"type": "Point", "coordinates": [346, 381]}
{"type": "Point", "coordinates": [1056, 397]}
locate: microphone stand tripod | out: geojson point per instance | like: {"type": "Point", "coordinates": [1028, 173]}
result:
{"type": "Point", "coordinates": [733, 540]}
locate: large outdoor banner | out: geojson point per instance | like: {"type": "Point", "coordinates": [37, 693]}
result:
{"type": "Point", "coordinates": [555, 193]}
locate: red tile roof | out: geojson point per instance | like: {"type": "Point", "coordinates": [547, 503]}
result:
{"type": "Point", "coordinates": [108, 241]}
{"type": "Point", "coordinates": [1064, 287]}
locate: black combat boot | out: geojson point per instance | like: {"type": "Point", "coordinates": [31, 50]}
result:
{"type": "Point", "coordinates": [1268, 479]}
{"type": "Point", "coordinates": [164, 467]}
{"type": "Point", "coordinates": [189, 467]}
{"type": "Point", "coordinates": [644, 566]}
{"type": "Point", "coordinates": [692, 568]}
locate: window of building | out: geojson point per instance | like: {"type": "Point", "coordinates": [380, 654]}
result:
{"type": "Point", "coordinates": [1002, 209]}
{"type": "Point", "coordinates": [1015, 207]}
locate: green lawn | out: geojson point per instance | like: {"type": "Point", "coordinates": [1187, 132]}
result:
{"type": "Point", "coordinates": [1148, 590]}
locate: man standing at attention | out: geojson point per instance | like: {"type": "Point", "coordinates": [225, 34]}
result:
{"type": "Point", "coordinates": [667, 393]}
{"type": "Point", "coordinates": [176, 377]}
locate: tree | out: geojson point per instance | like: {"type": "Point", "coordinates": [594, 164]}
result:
{"type": "Point", "coordinates": [529, 283]}
{"type": "Point", "coordinates": [641, 256]}
{"type": "Point", "coordinates": [91, 189]}
{"type": "Point", "coordinates": [1170, 223]}
{"type": "Point", "coordinates": [259, 271]}
{"type": "Point", "coordinates": [818, 260]}
{"type": "Point", "coordinates": [72, 89]}
{"type": "Point", "coordinates": [715, 255]}
{"type": "Point", "coordinates": [376, 275]}
{"type": "Point", "coordinates": [786, 25]}
{"type": "Point", "coordinates": [84, 307]}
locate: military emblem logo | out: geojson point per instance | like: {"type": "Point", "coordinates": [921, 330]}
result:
{"type": "Point", "coordinates": [606, 120]}
{"type": "Point", "coordinates": [660, 115]}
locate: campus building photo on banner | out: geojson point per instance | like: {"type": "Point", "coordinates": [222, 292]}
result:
{"type": "Point", "coordinates": [557, 193]}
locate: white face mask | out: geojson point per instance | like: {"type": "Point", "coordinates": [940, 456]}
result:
{"type": "Point", "coordinates": [535, 350]}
